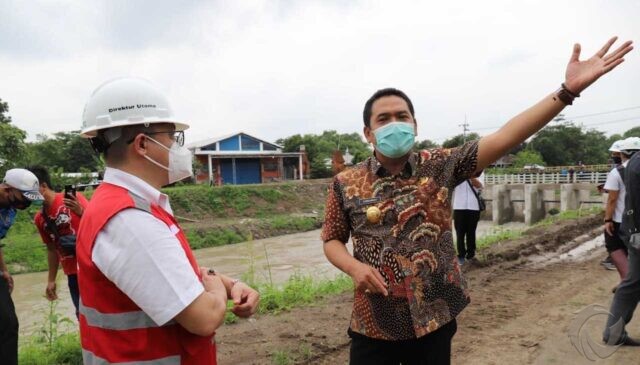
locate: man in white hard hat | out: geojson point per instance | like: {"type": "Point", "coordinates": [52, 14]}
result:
{"type": "Point", "coordinates": [18, 190]}
{"type": "Point", "coordinates": [143, 296]}
{"type": "Point", "coordinates": [627, 295]}
{"type": "Point", "coordinates": [614, 186]}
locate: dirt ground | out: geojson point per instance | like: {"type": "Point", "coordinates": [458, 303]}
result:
{"type": "Point", "coordinates": [522, 306]}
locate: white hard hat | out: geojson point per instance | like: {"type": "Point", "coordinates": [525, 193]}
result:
{"type": "Point", "coordinates": [615, 147]}
{"type": "Point", "coordinates": [25, 181]}
{"type": "Point", "coordinates": [630, 144]}
{"type": "Point", "coordinates": [124, 102]}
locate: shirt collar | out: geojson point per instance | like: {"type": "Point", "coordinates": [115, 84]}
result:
{"type": "Point", "coordinates": [409, 167]}
{"type": "Point", "coordinates": [137, 186]}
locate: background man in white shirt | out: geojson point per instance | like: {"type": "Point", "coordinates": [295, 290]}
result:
{"type": "Point", "coordinates": [614, 185]}
{"type": "Point", "coordinates": [466, 215]}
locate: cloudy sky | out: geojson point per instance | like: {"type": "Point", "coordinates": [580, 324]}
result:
{"type": "Point", "coordinates": [277, 68]}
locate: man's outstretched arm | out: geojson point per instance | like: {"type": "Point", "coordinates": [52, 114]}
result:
{"type": "Point", "coordinates": [579, 75]}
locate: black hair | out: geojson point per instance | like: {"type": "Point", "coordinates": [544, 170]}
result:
{"type": "Point", "coordinates": [42, 174]}
{"type": "Point", "coordinates": [366, 114]}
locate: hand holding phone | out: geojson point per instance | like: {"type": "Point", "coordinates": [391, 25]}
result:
{"type": "Point", "coordinates": [69, 191]}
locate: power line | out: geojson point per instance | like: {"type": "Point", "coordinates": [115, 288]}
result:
{"type": "Point", "coordinates": [582, 116]}
{"type": "Point", "coordinates": [608, 112]}
{"type": "Point", "coordinates": [570, 118]}
{"type": "Point", "coordinates": [614, 121]}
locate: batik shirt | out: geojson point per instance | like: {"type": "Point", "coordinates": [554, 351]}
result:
{"type": "Point", "coordinates": [411, 245]}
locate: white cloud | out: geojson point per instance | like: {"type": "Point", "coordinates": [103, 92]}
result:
{"type": "Point", "coordinates": [276, 68]}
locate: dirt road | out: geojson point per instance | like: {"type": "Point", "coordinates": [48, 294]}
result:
{"type": "Point", "coordinates": [523, 302]}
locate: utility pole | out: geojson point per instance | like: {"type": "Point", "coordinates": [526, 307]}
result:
{"type": "Point", "coordinates": [465, 129]}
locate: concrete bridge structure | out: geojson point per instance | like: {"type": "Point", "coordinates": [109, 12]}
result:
{"type": "Point", "coordinates": [531, 203]}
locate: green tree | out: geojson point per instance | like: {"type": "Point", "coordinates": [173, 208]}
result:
{"type": "Point", "coordinates": [528, 157]}
{"type": "Point", "coordinates": [568, 144]}
{"type": "Point", "coordinates": [633, 132]}
{"type": "Point", "coordinates": [4, 108]}
{"type": "Point", "coordinates": [459, 140]}
{"type": "Point", "coordinates": [12, 145]}
{"type": "Point", "coordinates": [65, 150]}
{"type": "Point", "coordinates": [425, 145]}
{"type": "Point", "coordinates": [319, 148]}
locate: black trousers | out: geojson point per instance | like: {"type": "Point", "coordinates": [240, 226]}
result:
{"type": "Point", "coordinates": [8, 326]}
{"type": "Point", "coordinates": [466, 222]}
{"type": "Point", "coordinates": [432, 349]}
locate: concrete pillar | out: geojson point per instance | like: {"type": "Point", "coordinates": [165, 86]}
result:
{"type": "Point", "coordinates": [300, 167]}
{"type": "Point", "coordinates": [569, 197]}
{"type": "Point", "coordinates": [501, 204]}
{"type": "Point", "coordinates": [584, 196]}
{"type": "Point", "coordinates": [533, 204]}
{"type": "Point", "coordinates": [209, 164]}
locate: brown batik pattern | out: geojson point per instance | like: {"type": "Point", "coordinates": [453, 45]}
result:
{"type": "Point", "coordinates": [411, 245]}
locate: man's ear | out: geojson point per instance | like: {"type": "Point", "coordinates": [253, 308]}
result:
{"type": "Point", "coordinates": [415, 126]}
{"type": "Point", "coordinates": [139, 144]}
{"type": "Point", "coordinates": [368, 135]}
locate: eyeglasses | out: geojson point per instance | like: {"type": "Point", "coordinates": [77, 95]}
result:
{"type": "Point", "coordinates": [177, 136]}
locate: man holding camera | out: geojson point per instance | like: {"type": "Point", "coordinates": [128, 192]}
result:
{"type": "Point", "coordinates": [58, 223]}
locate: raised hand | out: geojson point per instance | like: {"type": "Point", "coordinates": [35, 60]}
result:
{"type": "Point", "coordinates": [581, 74]}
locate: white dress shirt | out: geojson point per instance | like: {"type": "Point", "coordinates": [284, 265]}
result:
{"type": "Point", "coordinates": [140, 254]}
{"type": "Point", "coordinates": [614, 183]}
{"type": "Point", "coordinates": [463, 196]}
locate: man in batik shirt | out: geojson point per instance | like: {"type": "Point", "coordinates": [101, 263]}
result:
{"type": "Point", "coordinates": [396, 207]}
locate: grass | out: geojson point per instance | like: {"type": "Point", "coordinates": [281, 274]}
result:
{"type": "Point", "coordinates": [286, 357]}
{"type": "Point", "coordinates": [50, 345]}
{"type": "Point", "coordinates": [241, 201]}
{"type": "Point", "coordinates": [499, 234]}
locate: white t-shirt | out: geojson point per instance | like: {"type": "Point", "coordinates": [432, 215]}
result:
{"type": "Point", "coordinates": [463, 196]}
{"type": "Point", "coordinates": [614, 182]}
{"type": "Point", "coordinates": [143, 257]}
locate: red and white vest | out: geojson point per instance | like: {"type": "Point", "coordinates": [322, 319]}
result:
{"type": "Point", "coordinates": [113, 329]}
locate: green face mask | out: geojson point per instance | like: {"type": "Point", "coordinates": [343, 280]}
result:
{"type": "Point", "coordinates": [395, 139]}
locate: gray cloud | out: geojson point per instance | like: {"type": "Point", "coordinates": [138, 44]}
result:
{"type": "Point", "coordinates": [276, 68]}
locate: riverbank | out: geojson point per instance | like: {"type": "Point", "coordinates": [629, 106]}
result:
{"type": "Point", "coordinates": [210, 216]}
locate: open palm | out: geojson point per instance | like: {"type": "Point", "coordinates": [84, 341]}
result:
{"type": "Point", "coordinates": [581, 74]}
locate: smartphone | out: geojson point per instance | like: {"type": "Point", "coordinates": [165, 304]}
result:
{"type": "Point", "coordinates": [69, 191]}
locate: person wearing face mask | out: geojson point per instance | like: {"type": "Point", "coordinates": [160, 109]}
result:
{"type": "Point", "coordinates": [143, 297]}
{"type": "Point", "coordinates": [396, 208]}
{"type": "Point", "coordinates": [18, 190]}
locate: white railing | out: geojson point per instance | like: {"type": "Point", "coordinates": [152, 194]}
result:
{"type": "Point", "coordinates": [547, 178]}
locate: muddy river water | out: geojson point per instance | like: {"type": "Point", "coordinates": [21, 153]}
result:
{"type": "Point", "coordinates": [275, 259]}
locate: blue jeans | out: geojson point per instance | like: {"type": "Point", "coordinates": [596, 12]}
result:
{"type": "Point", "coordinates": [72, 280]}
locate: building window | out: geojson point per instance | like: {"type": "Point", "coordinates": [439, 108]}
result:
{"type": "Point", "coordinates": [250, 144]}
{"type": "Point", "coordinates": [269, 147]}
{"type": "Point", "coordinates": [270, 166]}
{"type": "Point", "coordinates": [210, 147]}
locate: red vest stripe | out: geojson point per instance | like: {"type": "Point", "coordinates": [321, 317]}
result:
{"type": "Point", "coordinates": [113, 329]}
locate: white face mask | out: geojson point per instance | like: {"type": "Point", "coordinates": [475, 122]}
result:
{"type": "Point", "coordinates": [180, 161]}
